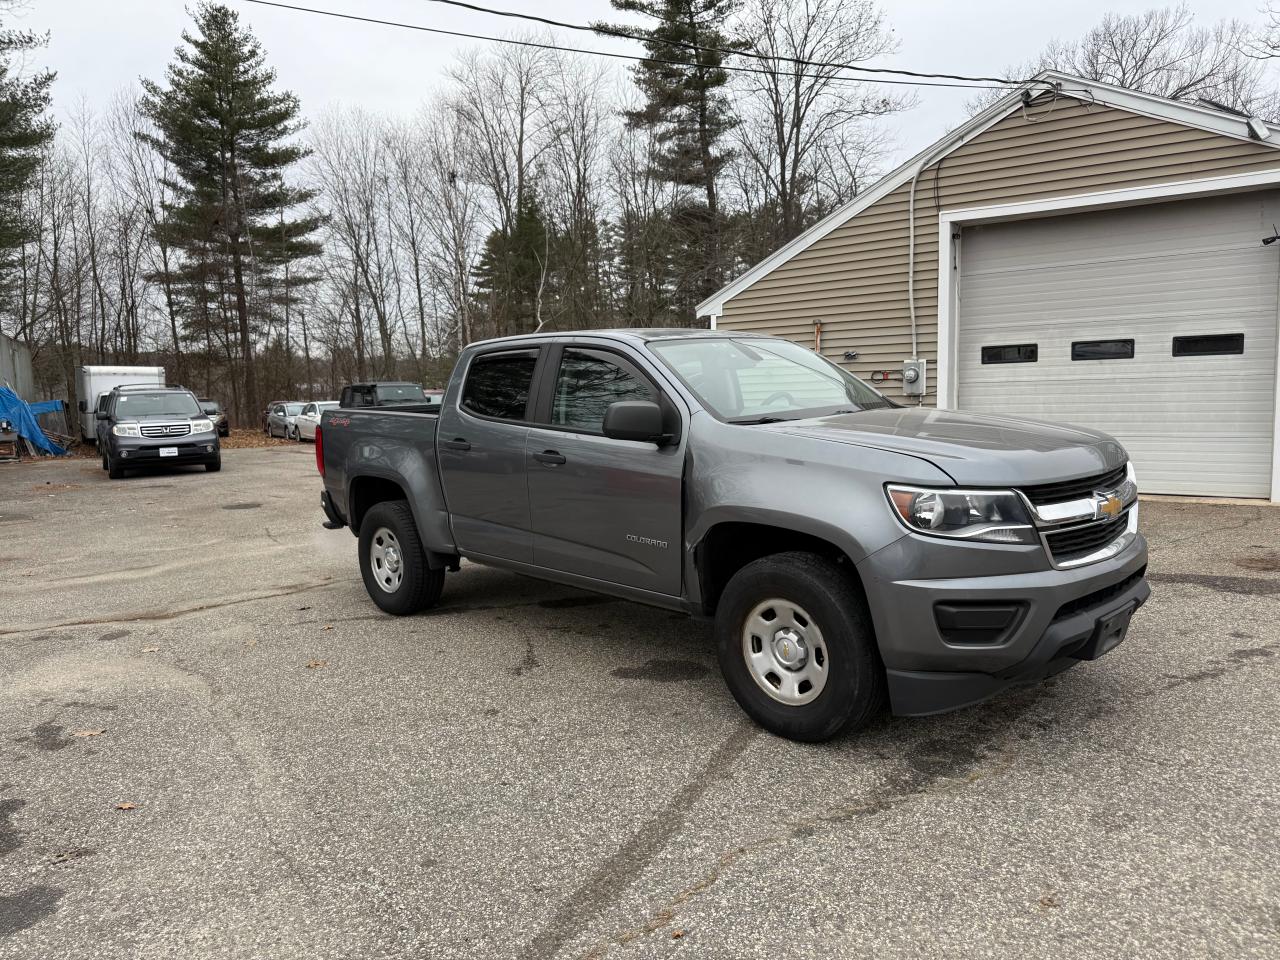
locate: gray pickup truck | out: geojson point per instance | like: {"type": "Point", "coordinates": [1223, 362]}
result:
{"type": "Point", "coordinates": [850, 550]}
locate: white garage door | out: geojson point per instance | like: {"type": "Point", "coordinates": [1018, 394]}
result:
{"type": "Point", "coordinates": [1157, 324]}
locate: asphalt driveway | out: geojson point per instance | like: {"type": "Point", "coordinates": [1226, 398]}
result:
{"type": "Point", "coordinates": [533, 772]}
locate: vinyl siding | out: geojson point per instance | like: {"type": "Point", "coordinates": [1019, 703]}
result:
{"type": "Point", "coordinates": [854, 280]}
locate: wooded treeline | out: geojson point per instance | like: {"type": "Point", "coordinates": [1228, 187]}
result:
{"type": "Point", "coordinates": [259, 256]}
{"type": "Point", "coordinates": [203, 223]}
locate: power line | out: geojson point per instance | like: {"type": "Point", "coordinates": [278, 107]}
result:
{"type": "Point", "coordinates": [603, 53]}
{"type": "Point", "coordinates": [605, 30]}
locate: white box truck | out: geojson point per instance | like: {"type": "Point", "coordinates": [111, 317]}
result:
{"type": "Point", "coordinates": [95, 382]}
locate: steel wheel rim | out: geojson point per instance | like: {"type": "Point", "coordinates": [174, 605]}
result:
{"type": "Point", "coordinates": [785, 652]}
{"type": "Point", "coordinates": [386, 560]}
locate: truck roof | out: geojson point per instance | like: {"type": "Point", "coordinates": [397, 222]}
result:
{"type": "Point", "coordinates": [639, 334]}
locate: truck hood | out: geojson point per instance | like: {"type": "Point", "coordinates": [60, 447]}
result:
{"type": "Point", "coordinates": [973, 449]}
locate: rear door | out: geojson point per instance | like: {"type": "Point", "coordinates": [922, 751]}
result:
{"type": "Point", "coordinates": [481, 448]}
{"type": "Point", "coordinates": [601, 508]}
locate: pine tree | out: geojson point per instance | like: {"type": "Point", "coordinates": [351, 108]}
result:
{"type": "Point", "coordinates": [687, 105]}
{"type": "Point", "coordinates": [512, 273]}
{"type": "Point", "coordinates": [230, 140]}
{"type": "Point", "coordinates": [25, 131]}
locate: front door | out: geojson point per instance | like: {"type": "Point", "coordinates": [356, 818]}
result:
{"type": "Point", "coordinates": [604, 509]}
{"type": "Point", "coordinates": [480, 442]}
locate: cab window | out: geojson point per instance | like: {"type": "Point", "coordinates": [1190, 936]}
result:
{"type": "Point", "coordinates": [588, 382]}
{"type": "Point", "coordinates": [498, 384]}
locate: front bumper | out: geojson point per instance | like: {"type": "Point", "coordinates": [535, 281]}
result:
{"type": "Point", "coordinates": [1060, 610]}
{"type": "Point", "coordinates": [194, 448]}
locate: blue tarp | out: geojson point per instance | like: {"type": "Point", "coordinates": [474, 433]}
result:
{"type": "Point", "coordinates": [45, 406]}
{"type": "Point", "coordinates": [23, 417]}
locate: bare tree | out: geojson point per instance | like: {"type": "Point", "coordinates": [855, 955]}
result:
{"type": "Point", "coordinates": [1162, 51]}
{"type": "Point", "coordinates": [794, 117]}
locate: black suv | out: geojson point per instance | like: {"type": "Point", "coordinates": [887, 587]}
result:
{"type": "Point", "coordinates": [215, 413]}
{"type": "Point", "coordinates": [149, 426]}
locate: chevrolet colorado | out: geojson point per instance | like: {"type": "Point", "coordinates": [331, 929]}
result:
{"type": "Point", "coordinates": [851, 551]}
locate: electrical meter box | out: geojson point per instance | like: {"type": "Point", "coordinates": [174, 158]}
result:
{"type": "Point", "coordinates": [913, 377]}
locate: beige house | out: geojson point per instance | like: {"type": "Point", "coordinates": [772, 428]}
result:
{"type": "Point", "coordinates": [1080, 253]}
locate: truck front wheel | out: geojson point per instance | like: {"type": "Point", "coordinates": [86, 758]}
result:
{"type": "Point", "coordinates": [797, 649]}
{"type": "Point", "coordinates": [393, 563]}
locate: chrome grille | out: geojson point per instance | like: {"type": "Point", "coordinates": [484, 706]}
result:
{"type": "Point", "coordinates": [165, 431]}
{"type": "Point", "coordinates": [1080, 541]}
{"type": "Point", "coordinates": [1074, 489]}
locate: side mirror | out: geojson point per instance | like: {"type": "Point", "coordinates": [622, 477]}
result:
{"type": "Point", "coordinates": [103, 415]}
{"type": "Point", "coordinates": [635, 420]}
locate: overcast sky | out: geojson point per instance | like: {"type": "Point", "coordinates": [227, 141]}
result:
{"type": "Point", "coordinates": [101, 46]}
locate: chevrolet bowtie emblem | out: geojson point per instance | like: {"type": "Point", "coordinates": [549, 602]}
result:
{"type": "Point", "coordinates": [1109, 505]}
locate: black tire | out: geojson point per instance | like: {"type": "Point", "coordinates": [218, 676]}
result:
{"type": "Point", "coordinates": [214, 466]}
{"type": "Point", "coordinates": [114, 470]}
{"type": "Point", "coordinates": [420, 587]}
{"type": "Point", "coordinates": [104, 461]}
{"type": "Point", "coordinates": [855, 689]}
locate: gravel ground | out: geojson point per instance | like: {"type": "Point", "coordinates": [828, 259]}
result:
{"type": "Point", "coordinates": [533, 772]}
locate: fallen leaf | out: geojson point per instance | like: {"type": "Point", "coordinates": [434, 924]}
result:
{"type": "Point", "coordinates": [126, 806]}
{"type": "Point", "coordinates": [677, 934]}
{"type": "Point", "coordinates": [1048, 901]}
{"type": "Point", "coordinates": [328, 626]}
{"type": "Point", "coordinates": [150, 649]}
{"type": "Point", "coordinates": [87, 733]}
{"type": "Point", "coordinates": [313, 664]}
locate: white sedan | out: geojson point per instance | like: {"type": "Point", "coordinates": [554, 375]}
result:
{"type": "Point", "coordinates": [309, 419]}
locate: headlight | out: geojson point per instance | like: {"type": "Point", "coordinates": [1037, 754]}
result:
{"type": "Point", "coordinates": [989, 516]}
{"type": "Point", "coordinates": [126, 430]}
{"type": "Point", "coordinates": [201, 426]}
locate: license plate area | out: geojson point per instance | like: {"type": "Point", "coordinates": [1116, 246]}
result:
{"type": "Point", "coordinates": [1108, 633]}
{"type": "Point", "coordinates": [168, 451]}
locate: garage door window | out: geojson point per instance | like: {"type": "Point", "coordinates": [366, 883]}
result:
{"type": "Point", "coordinates": [1102, 350]}
{"type": "Point", "coordinates": [1011, 353]}
{"type": "Point", "coordinates": [1208, 345]}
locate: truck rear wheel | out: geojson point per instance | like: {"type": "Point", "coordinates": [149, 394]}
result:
{"type": "Point", "coordinates": [797, 648]}
{"type": "Point", "coordinates": [393, 563]}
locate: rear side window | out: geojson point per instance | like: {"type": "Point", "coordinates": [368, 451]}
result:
{"type": "Point", "coordinates": [1102, 350]}
{"type": "Point", "coordinates": [498, 384]}
{"type": "Point", "coordinates": [588, 382]}
{"type": "Point", "coordinates": [1208, 345]}
{"type": "Point", "coordinates": [1011, 353]}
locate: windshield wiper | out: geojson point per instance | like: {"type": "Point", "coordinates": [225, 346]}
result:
{"type": "Point", "coordinates": [756, 420]}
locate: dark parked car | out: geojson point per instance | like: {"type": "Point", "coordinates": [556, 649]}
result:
{"type": "Point", "coordinates": [391, 393]}
{"type": "Point", "coordinates": [152, 426]}
{"type": "Point", "coordinates": [213, 409]}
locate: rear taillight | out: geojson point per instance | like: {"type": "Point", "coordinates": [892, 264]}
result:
{"type": "Point", "coordinates": [319, 450]}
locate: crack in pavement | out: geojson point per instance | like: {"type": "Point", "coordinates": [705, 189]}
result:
{"type": "Point", "coordinates": [943, 766]}
{"type": "Point", "coordinates": [937, 767]}
{"type": "Point", "coordinates": [621, 868]}
{"type": "Point", "coordinates": [158, 615]}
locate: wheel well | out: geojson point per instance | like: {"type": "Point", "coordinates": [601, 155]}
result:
{"type": "Point", "coordinates": [368, 491]}
{"type": "Point", "coordinates": [728, 547]}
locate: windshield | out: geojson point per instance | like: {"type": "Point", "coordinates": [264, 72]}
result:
{"type": "Point", "coordinates": [211, 406]}
{"type": "Point", "coordinates": [754, 380]}
{"type": "Point", "coordinates": [292, 409]}
{"type": "Point", "coordinates": [156, 405]}
{"type": "Point", "coordinates": [326, 404]}
{"type": "Point", "coordinates": [400, 393]}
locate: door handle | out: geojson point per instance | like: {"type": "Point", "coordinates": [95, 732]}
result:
{"type": "Point", "coordinates": [457, 443]}
{"type": "Point", "coordinates": [550, 457]}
